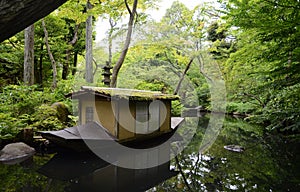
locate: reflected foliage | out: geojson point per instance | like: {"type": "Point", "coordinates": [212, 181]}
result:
{"type": "Point", "coordinates": [269, 163]}
{"type": "Point", "coordinates": [25, 178]}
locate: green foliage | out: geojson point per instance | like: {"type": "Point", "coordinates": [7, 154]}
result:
{"type": "Point", "coordinates": [155, 85]}
{"type": "Point", "coordinates": [240, 108]}
{"type": "Point", "coordinates": [29, 106]}
{"type": "Point", "coordinates": [176, 108]}
{"type": "Point", "coordinates": [162, 52]}
{"type": "Point", "coordinates": [265, 67]}
{"type": "Point", "coordinates": [11, 60]}
{"type": "Point", "coordinates": [9, 126]}
{"type": "Point", "coordinates": [282, 111]}
{"type": "Point", "coordinates": [45, 118]}
{"type": "Point", "coordinates": [20, 99]}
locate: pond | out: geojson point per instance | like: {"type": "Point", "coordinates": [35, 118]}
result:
{"type": "Point", "coordinates": [267, 163]}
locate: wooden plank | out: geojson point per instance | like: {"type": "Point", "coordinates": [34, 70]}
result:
{"type": "Point", "coordinates": [90, 131]}
{"type": "Point", "coordinates": [176, 121]}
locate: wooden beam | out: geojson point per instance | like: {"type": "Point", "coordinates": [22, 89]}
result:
{"type": "Point", "coordinates": [16, 15]}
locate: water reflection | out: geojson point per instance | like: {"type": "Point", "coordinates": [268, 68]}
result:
{"type": "Point", "coordinates": [268, 163]}
{"type": "Point", "coordinates": [90, 173]}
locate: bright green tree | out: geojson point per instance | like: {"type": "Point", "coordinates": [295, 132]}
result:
{"type": "Point", "coordinates": [265, 68]}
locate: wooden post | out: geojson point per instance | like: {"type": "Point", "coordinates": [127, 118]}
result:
{"type": "Point", "coordinates": [27, 135]}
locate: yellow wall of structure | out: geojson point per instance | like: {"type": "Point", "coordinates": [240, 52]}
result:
{"type": "Point", "coordinates": [124, 127]}
{"type": "Point", "coordinates": [126, 120]}
{"type": "Point", "coordinates": [166, 125]}
{"type": "Point", "coordinates": [105, 115]}
{"type": "Point", "coordinates": [84, 105]}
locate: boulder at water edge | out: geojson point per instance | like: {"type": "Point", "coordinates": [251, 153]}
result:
{"type": "Point", "coordinates": [15, 153]}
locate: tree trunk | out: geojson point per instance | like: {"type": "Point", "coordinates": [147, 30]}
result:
{"type": "Point", "coordinates": [182, 76]}
{"type": "Point", "coordinates": [29, 56]}
{"type": "Point", "coordinates": [66, 65]}
{"type": "Point", "coordinates": [40, 68]}
{"type": "Point", "coordinates": [54, 82]}
{"type": "Point", "coordinates": [117, 67]}
{"type": "Point", "coordinates": [111, 30]}
{"type": "Point", "coordinates": [75, 63]}
{"type": "Point", "coordinates": [65, 70]}
{"type": "Point", "coordinates": [89, 78]}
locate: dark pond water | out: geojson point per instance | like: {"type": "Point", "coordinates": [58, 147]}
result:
{"type": "Point", "coordinates": [268, 163]}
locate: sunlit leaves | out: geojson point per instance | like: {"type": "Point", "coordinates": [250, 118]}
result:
{"type": "Point", "coordinates": [266, 63]}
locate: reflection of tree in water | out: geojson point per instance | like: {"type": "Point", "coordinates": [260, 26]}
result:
{"type": "Point", "coordinates": [25, 178]}
{"type": "Point", "coordinates": [266, 164]}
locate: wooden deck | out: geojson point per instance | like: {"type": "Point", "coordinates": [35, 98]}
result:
{"type": "Point", "coordinates": [175, 122]}
{"type": "Point", "coordinates": [96, 134]}
{"type": "Point", "coordinates": [90, 131]}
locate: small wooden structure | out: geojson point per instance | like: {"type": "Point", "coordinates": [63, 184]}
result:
{"type": "Point", "coordinates": [125, 113]}
{"type": "Point", "coordinates": [109, 115]}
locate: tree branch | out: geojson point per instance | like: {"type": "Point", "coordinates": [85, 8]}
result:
{"type": "Point", "coordinates": [96, 68]}
{"type": "Point", "coordinates": [127, 7]}
{"type": "Point", "coordinates": [121, 59]}
{"type": "Point", "coordinates": [256, 98]}
{"type": "Point", "coordinates": [200, 59]}
{"type": "Point", "coordinates": [169, 60]}
{"type": "Point", "coordinates": [182, 174]}
{"type": "Point", "coordinates": [75, 37]}
{"type": "Point", "coordinates": [54, 83]}
{"type": "Point", "coordinates": [183, 75]}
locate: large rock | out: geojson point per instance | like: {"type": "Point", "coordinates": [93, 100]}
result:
{"type": "Point", "coordinates": [15, 153]}
{"type": "Point", "coordinates": [62, 111]}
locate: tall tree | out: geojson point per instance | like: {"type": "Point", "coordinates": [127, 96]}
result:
{"type": "Point", "coordinates": [89, 76]}
{"type": "Point", "coordinates": [132, 14]}
{"type": "Point", "coordinates": [29, 56]}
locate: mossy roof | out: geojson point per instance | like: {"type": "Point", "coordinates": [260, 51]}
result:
{"type": "Point", "coordinates": [132, 94]}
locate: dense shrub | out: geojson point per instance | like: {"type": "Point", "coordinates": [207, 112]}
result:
{"type": "Point", "coordinates": [30, 106]}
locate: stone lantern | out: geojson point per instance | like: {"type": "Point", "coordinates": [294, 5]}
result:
{"type": "Point", "coordinates": [106, 74]}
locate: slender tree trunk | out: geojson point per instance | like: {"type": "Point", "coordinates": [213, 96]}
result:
{"type": "Point", "coordinates": [54, 82]}
{"type": "Point", "coordinates": [183, 75]}
{"type": "Point", "coordinates": [89, 78]}
{"type": "Point", "coordinates": [117, 67]}
{"type": "Point", "coordinates": [40, 70]}
{"type": "Point", "coordinates": [29, 56]}
{"type": "Point", "coordinates": [75, 60]}
{"type": "Point", "coordinates": [202, 71]}
{"type": "Point", "coordinates": [65, 70]}
{"type": "Point", "coordinates": [112, 26]}
{"type": "Point", "coordinates": [66, 65]}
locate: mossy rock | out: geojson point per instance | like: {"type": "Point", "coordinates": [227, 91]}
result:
{"type": "Point", "coordinates": [62, 111]}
